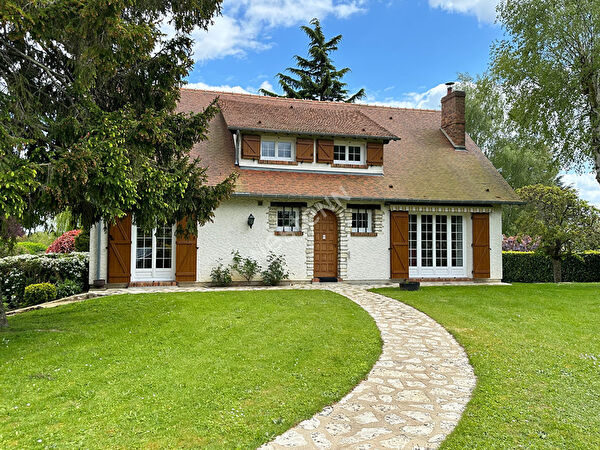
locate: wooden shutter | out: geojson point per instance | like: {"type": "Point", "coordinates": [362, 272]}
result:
{"type": "Point", "coordinates": [250, 146]}
{"type": "Point", "coordinates": [185, 256]}
{"type": "Point", "coordinates": [304, 150]}
{"type": "Point", "coordinates": [375, 153]}
{"type": "Point", "coordinates": [324, 151]}
{"type": "Point", "coordinates": [119, 251]}
{"type": "Point", "coordinates": [481, 245]}
{"type": "Point", "coordinates": [399, 245]}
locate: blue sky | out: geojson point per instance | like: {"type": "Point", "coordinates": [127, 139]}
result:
{"type": "Point", "coordinates": [400, 51]}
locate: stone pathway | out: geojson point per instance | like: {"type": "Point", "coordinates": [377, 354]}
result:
{"type": "Point", "coordinates": [412, 398]}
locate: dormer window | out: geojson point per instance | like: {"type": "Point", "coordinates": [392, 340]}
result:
{"type": "Point", "coordinates": [348, 153]}
{"type": "Point", "coordinates": [276, 149]}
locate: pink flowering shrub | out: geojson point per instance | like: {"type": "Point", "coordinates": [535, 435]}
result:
{"type": "Point", "coordinates": [64, 243]}
{"type": "Point", "coordinates": [519, 243]}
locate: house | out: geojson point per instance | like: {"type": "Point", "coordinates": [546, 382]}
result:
{"type": "Point", "coordinates": [344, 191]}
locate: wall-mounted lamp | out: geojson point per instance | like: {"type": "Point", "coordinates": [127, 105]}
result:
{"type": "Point", "coordinates": [250, 220]}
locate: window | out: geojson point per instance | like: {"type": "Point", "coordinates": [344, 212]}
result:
{"type": "Point", "coordinates": [457, 241]}
{"type": "Point", "coordinates": [288, 218]}
{"type": "Point", "coordinates": [164, 244]}
{"type": "Point", "coordinates": [412, 240]}
{"type": "Point", "coordinates": [276, 149]}
{"type": "Point", "coordinates": [348, 153]}
{"type": "Point", "coordinates": [441, 241]}
{"type": "Point", "coordinates": [362, 221]}
{"type": "Point", "coordinates": [143, 253]}
{"type": "Point", "coordinates": [427, 241]}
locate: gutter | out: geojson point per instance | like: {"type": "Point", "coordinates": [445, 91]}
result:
{"type": "Point", "coordinates": [392, 201]}
{"type": "Point", "coordinates": [304, 133]}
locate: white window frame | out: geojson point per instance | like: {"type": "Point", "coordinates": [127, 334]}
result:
{"type": "Point", "coordinates": [153, 273]}
{"type": "Point", "coordinates": [296, 226]}
{"type": "Point", "coordinates": [277, 140]}
{"type": "Point", "coordinates": [346, 144]}
{"type": "Point", "coordinates": [435, 271]}
{"type": "Point", "coordinates": [369, 228]}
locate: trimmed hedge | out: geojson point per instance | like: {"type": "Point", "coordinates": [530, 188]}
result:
{"type": "Point", "coordinates": [531, 267]}
{"type": "Point", "coordinates": [39, 293]}
{"type": "Point", "coordinates": [29, 248]}
{"type": "Point", "coordinates": [16, 272]}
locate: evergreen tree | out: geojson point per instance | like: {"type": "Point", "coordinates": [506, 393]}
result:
{"type": "Point", "coordinates": [316, 76]}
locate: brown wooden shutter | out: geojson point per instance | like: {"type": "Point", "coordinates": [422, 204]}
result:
{"type": "Point", "coordinates": [399, 245]}
{"type": "Point", "coordinates": [185, 257]}
{"type": "Point", "coordinates": [119, 251]}
{"type": "Point", "coordinates": [304, 150]}
{"type": "Point", "coordinates": [250, 146]}
{"type": "Point", "coordinates": [481, 245]}
{"type": "Point", "coordinates": [324, 151]}
{"type": "Point", "coordinates": [375, 153]}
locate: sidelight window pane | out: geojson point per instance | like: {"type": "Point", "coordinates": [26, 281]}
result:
{"type": "Point", "coordinates": [412, 240]}
{"type": "Point", "coordinates": [457, 241]}
{"type": "Point", "coordinates": [441, 241]}
{"type": "Point", "coordinates": [427, 240]}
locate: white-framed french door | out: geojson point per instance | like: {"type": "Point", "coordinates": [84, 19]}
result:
{"type": "Point", "coordinates": [153, 254]}
{"type": "Point", "coordinates": [437, 245]}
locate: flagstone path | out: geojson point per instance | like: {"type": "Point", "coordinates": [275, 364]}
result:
{"type": "Point", "coordinates": [412, 398]}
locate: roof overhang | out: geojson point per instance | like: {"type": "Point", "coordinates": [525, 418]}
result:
{"type": "Point", "coordinates": [386, 139]}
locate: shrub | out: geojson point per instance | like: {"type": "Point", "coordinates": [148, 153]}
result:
{"type": "Point", "coordinates": [530, 267]}
{"type": "Point", "coordinates": [82, 241]}
{"type": "Point", "coordinates": [276, 270]}
{"type": "Point", "coordinates": [221, 275]}
{"type": "Point", "coordinates": [16, 272]}
{"type": "Point", "coordinates": [68, 288]}
{"type": "Point", "coordinates": [64, 243]}
{"type": "Point", "coordinates": [39, 293]}
{"type": "Point", "coordinates": [29, 248]}
{"type": "Point", "coordinates": [246, 267]}
{"type": "Point", "coordinates": [519, 243]}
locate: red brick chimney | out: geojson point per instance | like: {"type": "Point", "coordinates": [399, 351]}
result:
{"type": "Point", "coordinates": [453, 116]}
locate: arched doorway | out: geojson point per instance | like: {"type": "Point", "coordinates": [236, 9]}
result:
{"type": "Point", "coordinates": [326, 245]}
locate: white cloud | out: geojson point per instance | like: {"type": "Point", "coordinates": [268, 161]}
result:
{"type": "Point", "coordinates": [245, 24]}
{"type": "Point", "coordinates": [430, 99]}
{"type": "Point", "coordinates": [484, 10]}
{"type": "Point", "coordinates": [228, 88]}
{"type": "Point", "coordinates": [586, 185]}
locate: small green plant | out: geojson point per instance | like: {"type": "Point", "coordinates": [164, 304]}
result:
{"type": "Point", "coordinates": [68, 288]}
{"type": "Point", "coordinates": [39, 293]}
{"type": "Point", "coordinates": [246, 267]}
{"type": "Point", "coordinates": [221, 275]}
{"type": "Point", "coordinates": [276, 270]}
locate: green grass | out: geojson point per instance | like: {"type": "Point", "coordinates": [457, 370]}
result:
{"type": "Point", "coordinates": [536, 352]}
{"type": "Point", "coordinates": [211, 370]}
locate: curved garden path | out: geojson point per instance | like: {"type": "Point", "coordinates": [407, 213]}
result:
{"type": "Point", "coordinates": [412, 398]}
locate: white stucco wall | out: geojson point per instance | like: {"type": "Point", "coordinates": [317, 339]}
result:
{"type": "Point", "coordinates": [230, 231]}
{"type": "Point", "coordinates": [369, 256]}
{"type": "Point", "coordinates": [496, 243]}
{"type": "Point", "coordinates": [94, 253]}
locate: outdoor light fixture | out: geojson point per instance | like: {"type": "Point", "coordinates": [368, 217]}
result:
{"type": "Point", "coordinates": [250, 220]}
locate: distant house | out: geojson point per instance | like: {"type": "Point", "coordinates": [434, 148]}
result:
{"type": "Point", "coordinates": [343, 191]}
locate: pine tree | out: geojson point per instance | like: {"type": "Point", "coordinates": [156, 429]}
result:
{"type": "Point", "coordinates": [316, 77]}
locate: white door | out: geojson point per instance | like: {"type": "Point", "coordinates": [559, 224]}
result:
{"type": "Point", "coordinates": [153, 254]}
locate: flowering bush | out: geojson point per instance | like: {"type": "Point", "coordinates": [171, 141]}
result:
{"type": "Point", "coordinates": [64, 243]}
{"type": "Point", "coordinates": [16, 272]}
{"type": "Point", "coordinates": [519, 243]}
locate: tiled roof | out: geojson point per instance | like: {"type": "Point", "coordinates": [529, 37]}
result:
{"type": "Point", "coordinates": [421, 167]}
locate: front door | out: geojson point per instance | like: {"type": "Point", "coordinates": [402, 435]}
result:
{"type": "Point", "coordinates": [326, 245]}
{"type": "Point", "coordinates": [153, 254]}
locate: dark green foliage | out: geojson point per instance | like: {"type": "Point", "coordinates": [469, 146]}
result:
{"type": "Point", "coordinates": [316, 77]}
{"type": "Point", "coordinates": [531, 267]}
{"type": "Point", "coordinates": [276, 270]}
{"type": "Point", "coordinates": [30, 248]}
{"type": "Point", "coordinates": [82, 241]}
{"type": "Point", "coordinates": [246, 267]}
{"type": "Point", "coordinates": [221, 275]}
{"type": "Point", "coordinates": [16, 272]}
{"type": "Point", "coordinates": [39, 293]}
{"type": "Point", "coordinates": [68, 288]}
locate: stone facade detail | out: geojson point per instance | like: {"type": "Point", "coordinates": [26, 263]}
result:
{"type": "Point", "coordinates": [344, 228]}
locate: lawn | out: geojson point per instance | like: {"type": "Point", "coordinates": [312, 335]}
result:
{"type": "Point", "coordinates": [212, 370]}
{"type": "Point", "coordinates": [536, 352]}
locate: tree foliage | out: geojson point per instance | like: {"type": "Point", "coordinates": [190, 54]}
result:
{"type": "Point", "coordinates": [550, 64]}
{"type": "Point", "coordinates": [316, 78]}
{"type": "Point", "coordinates": [564, 223]}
